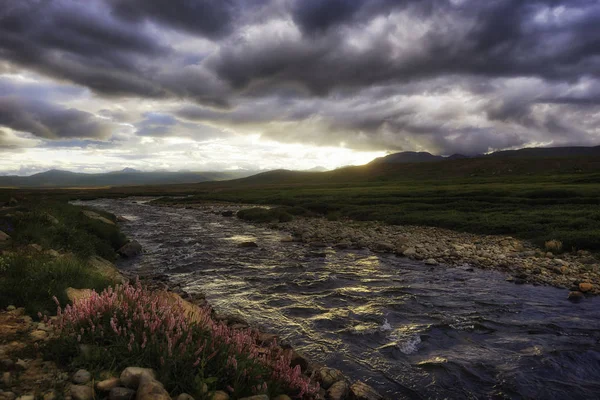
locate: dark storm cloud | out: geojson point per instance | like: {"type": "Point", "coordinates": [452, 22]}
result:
{"type": "Point", "coordinates": [366, 73]}
{"type": "Point", "coordinates": [212, 18]}
{"type": "Point", "coordinates": [46, 120]}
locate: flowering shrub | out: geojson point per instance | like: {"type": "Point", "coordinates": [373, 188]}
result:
{"type": "Point", "coordinates": [189, 350]}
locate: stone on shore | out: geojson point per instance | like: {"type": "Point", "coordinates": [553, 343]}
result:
{"type": "Point", "coordinates": [248, 245]}
{"type": "Point", "coordinates": [219, 395]}
{"type": "Point", "coordinates": [82, 392]}
{"type": "Point", "coordinates": [362, 391]}
{"type": "Point", "coordinates": [338, 391]}
{"type": "Point", "coordinates": [585, 287]}
{"type": "Point", "coordinates": [98, 217]}
{"type": "Point", "coordinates": [328, 376]}
{"type": "Point", "coordinates": [4, 237]}
{"type": "Point", "coordinates": [131, 249]}
{"type": "Point", "coordinates": [81, 377]}
{"type": "Point", "coordinates": [131, 376]}
{"type": "Point", "coordinates": [121, 393]}
{"type": "Point", "coordinates": [108, 384]}
{"type": "Point", "coordinates": [150, 389]}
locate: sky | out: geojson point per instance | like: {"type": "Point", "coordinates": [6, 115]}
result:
{"type": "Point", "coordinates": [100, 85]}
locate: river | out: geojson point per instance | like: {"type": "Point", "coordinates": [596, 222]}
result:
{"type": "Point", "coordinates": [410, 330]}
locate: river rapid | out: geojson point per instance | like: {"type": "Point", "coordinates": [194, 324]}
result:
{"type": "Point", "coordinates": [410, 330]}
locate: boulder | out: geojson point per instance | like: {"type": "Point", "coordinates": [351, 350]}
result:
{"type": "Point", "coordinates": [131, 249]}
{"type": "Point", "coordinates": [131, 376]}
{"type": "Point", "coordinates": [431, 261]}
{"type": "Point", "coordinates": [150, 389]}
{"type": "Point", "coordinates": [585, 287]}
{"type": "Point", "coordinates": [4, 237]}
{"type": "Point", "coordinates": [338, 391]}
{"type": "Point", "coordinates": [82, 392]}
{"type": "Point", "coordinates": [410, 252]}
{"type": "Point", "coordinates": [362, 391]}
{"type": "Point", "coordinates": [98, 217]}
{"type": "Point", "coordinates": [185, 396]}
{"type": "Point", "coordinates": [328, 376]}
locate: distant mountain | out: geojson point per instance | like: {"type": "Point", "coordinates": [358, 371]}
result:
{"type": "Point", "coordinates": [532, 152]}
{"type": "Point", "coordinates": [409, 157]}
{"type": "Point", "coordinates": [317, 169]}
{"type": "Point", "coordinates": [124, 177]}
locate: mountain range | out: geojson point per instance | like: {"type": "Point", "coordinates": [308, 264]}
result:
{"type": "Point", "coordinates": [403, 164]}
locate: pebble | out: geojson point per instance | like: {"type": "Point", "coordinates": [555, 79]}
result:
{"type": "Point", "coordinates": [6, 379]}
{"type": "Point", "coordinates": [585, 287]}
{"type": "Point", "coordinates": [81, 377]}
{"type": "Point", "coordinates": [328, 376]}
{"type": "Point", "coordinates": [338, 391]}
{"type": "Point", "coordinates": [576, 296]}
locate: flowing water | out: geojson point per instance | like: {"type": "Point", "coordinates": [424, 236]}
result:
{"type": "Point", "coordinates": [411, 331]}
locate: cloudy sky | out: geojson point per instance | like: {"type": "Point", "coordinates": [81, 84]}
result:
{"type": "Point", "coordinates": [99, 85]}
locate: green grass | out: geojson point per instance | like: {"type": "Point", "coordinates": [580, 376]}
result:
{"type": "Point", "coordinates": [64, 227]}
{"type": "Point", "coordinates": [535, 211]}
{"type": "Point", "coordinates": [31, 280]}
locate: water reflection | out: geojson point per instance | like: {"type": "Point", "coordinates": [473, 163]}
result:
{"type": "Point", "coordinates": [409, 330]}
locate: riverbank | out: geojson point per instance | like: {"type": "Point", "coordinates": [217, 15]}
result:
{"type": "Point", "coordinates": [60, 356]}
{"type": "Point", "coordinates": [521, 261]}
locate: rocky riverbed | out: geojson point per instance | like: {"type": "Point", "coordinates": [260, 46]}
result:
{"type": "Point", "coordinates": [523, 262]}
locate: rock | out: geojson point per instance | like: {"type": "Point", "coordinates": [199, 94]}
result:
{"type": "Point", "coordinates": [51, 219]}
{"type": "Point", "coordinates": [52, 253]}
{"type": "Point", "coordinates": [227, 213]}
{"type": "Point", "coordinates": [22, 365]}
{"type": "Point", "coordinates": [410, 252]}
{"type": "Point", "coordinates": [35, 248]}
{"type": "Point", "coordinates": [4, 237]}
{"type": "Point", "coordinates": [7, 363]}
{"type": "Point", "coordinates": [585, 287]}
{"type": "Point", "coordinates": [384, 246]}
{"type": "Point", "coordinates": [82, 392]}
{"type": "Point", "coordinates": [283, 397]}
{"type": "Point", "coordinates": [131, 249]}
{"type": "Point", "coordinates": [362, 391]}
{"type": "Point", "coordinates": [51, 395]}
{"type": "Point", "coordinates": [248, 244]}
{"type": "Point", "coordinates": [185, 396]}
{"type": "Point", "coordinates": [257, 397]}
{"type": "Point", "coordinates": [26, 397]}
{"type": "Point", "coordinates": [151, 389]}
{"type": "Point", "coordinates": [131, 376]}
{"type": "Point", "coordinates": [38, 335]}
{"type": "Point", "coordinates": [328, 376]}
{"type": "Point", "coordinates": [7, 396]}
{"type": "Point", "coordinates": [431, 261]}
{"type": "Point", "coordinates": [81, 377]}
{"type": "Point", "coordinates": [297, 359]}
{"type": "Point", "coordinates": [121, 218]}
{"type": "Point", "coordinates": [121, 393]}
{"type": "Point", "coordinates": [219, 395]}
{"type": "Point", "coordinates": [287, 239]}
{"type": "Point", "coordinates": [13, 202]}
{"type": "Point", "coordinates": [576, 296]}
{"type": "Point", "coordinates": [338, 391]}
{"type": "Point", "coordinates": [317, 245]}
{"type": "Point", "coordinates": [11, 308]}
{"type": "Point", "coordinates": [6, 379]}
{"type": "Point", "coordinates": [98, 217]}
{"type": "Point", "coordinates": [108, 384]}
{"type": "Point", "coordinates": [342, 245]}
{"type": "Point", "coordinates": [106, 269]}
